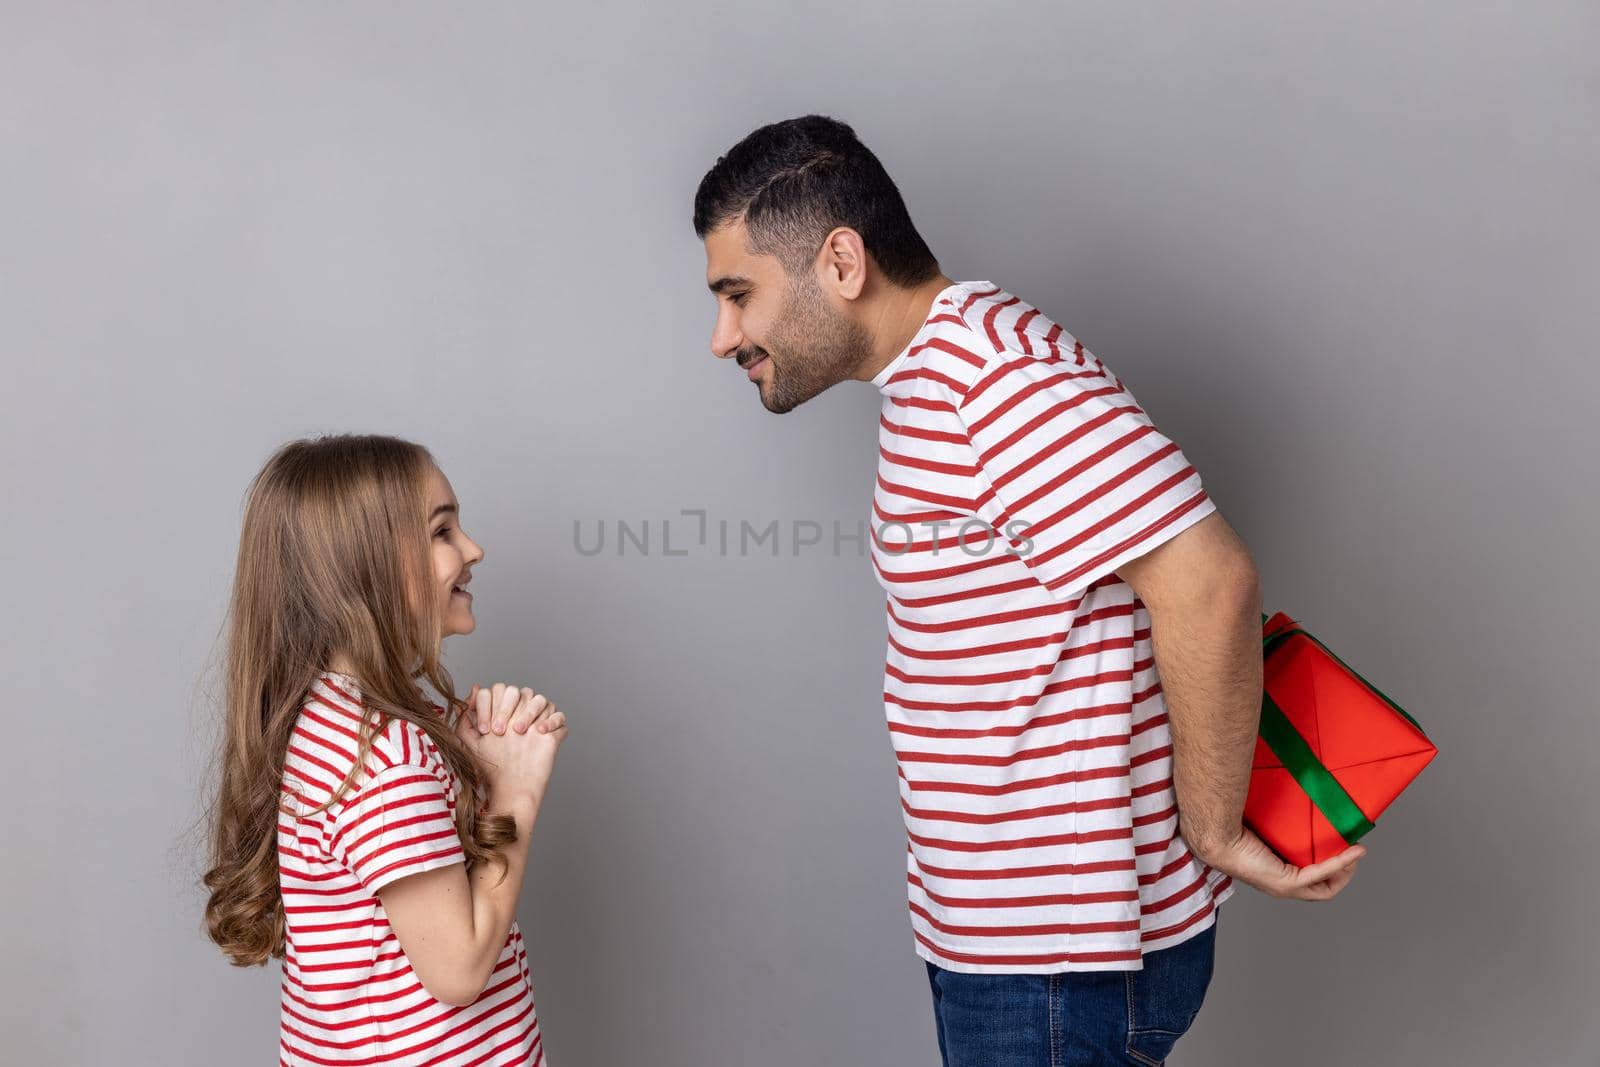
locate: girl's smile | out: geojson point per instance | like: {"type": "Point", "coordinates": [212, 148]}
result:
{"type": "Point", "coordinates": [454, 555]}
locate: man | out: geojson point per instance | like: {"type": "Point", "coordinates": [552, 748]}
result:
{"type": "Point", "coordinates": [1074, 661]}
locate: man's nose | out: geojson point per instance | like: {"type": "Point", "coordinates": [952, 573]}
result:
{"type": "Point", "coordinates": [725, 338]}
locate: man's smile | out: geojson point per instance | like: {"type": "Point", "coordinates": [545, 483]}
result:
{"type": "Point", "coordinates": [750, 361]}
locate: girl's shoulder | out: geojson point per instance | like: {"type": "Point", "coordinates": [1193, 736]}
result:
{"type": "Point", "coordinates": [327, 739]}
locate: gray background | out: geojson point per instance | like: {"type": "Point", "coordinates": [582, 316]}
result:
{"type": "Point", "coordinates": [1345, 254]}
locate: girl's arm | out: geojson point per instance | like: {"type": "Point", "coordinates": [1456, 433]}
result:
{"type": "Point", "coordinates": [452, 923]}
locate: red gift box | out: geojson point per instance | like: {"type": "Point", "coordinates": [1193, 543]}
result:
{"type": "Point", "coordinates": [1333, 751]}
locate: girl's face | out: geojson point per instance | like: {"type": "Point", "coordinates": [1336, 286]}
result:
{"type": "Point", "coordinates": [454, 553]}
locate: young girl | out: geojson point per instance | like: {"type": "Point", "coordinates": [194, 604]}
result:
{"type": "Point", "coordinates": [372, 839]}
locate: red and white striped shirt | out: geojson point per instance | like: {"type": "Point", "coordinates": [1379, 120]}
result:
{"type": "Point", "coordinates": [349, 994]}
{"type": "Point", "coordinates": [1021, 691]}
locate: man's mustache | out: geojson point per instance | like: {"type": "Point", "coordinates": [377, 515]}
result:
{"type": "Point", "coordinates": [746, 356]}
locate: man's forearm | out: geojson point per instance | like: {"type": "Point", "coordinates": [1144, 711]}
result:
{"type": "Point", "coordinates": [1208, 655]}
{"type": "Point", "coordinates": [1201, 591]}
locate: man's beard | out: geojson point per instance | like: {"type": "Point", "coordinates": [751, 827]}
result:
{"type": "Point", "coordinates": [811, 347]}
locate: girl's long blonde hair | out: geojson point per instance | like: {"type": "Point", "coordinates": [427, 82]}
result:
{"type": "Point", "coordinates": [334, 559]}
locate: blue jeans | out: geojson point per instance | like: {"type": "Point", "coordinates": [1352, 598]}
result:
{"type": "Point", "coordinates": [1077, 1019]}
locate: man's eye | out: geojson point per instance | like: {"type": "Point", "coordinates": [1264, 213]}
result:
{"type": "Point", "coordinates": [739, 299]}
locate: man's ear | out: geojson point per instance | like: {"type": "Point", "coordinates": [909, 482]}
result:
{"type": "Point", "coordinates": [842, 263]}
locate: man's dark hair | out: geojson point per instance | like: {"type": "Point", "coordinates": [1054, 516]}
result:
{"type": "Point", "coordinates": [794, 181]}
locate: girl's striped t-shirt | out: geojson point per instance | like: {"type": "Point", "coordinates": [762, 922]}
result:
{"type": "Point", "coordinates": [1015, 474]}
{"type": "Point", "coordinates": [349, 995]}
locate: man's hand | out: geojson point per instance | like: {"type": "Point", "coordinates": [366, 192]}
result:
{"type": "Point", "coordinates": [1248, 859]}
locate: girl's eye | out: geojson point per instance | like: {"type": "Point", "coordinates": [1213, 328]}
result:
{"type": "Point", "coordinates": [442, 531]}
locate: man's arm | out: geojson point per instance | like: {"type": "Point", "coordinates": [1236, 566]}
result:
{"type": "Point", "coordinates": [1204, 600]}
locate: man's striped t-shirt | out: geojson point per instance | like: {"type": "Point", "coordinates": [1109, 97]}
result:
{"type": "Point", "coordinates": [349, 995]}
{"type": "Point", "coordinates": [1015, 474]}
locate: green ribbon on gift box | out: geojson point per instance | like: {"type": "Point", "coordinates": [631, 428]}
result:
{"type": "Point", "coordinates": [1302, 763]}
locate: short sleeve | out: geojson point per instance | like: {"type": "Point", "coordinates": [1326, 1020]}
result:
{"type": "Point", "coordinates": [1074, 473]}
{"type": "Point", "coordinates": [396, 823]}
